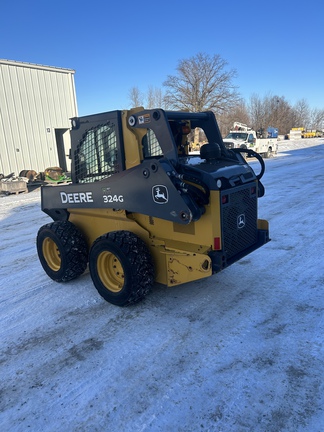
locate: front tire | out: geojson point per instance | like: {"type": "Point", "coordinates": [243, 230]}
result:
{"type": "Point", "coordinates": [121, 267]}
{"type": "Point", "coordinates": [62, 250]}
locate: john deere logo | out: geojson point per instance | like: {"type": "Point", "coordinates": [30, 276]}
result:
{"type": "Point", "coordinates": [241, 221]}
{"type": "Point", "coordinates": [160, 194]}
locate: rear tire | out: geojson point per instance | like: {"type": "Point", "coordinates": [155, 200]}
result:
{"type": "Point", "coordinates": [121, 267]}
{"type": "Point", "coordinates": [268, 154]}
{"type": "Point", "coordinates": [62, 250]}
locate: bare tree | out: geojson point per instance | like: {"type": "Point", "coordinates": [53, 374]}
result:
{"type": "Point", "coordinates": [257, 112]}
{"type": "Point", "coordinates": [283, 116]}
{"type": "Point", "coordinates": [136, 97]}
{"type": "Point", "coordinates": [302, 114]}
{"type": "Point", "coordinates": [271, 111]}
{"type": "Point", "coordinates": [307, 117]}
{"type": "Point", "coordinates": [155, 98]}
{"type": "Point", "coordinates": [238, 113]}
{"type": "Point", "coordinates": [202, 83]}
{"type": "Point", "coordinates": [317, 119]}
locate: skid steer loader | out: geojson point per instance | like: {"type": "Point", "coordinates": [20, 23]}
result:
{"type": "Point", "coordinates": [140, 209]}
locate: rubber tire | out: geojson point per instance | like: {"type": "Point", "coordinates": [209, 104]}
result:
{"type": "Point", "coordinates": [133, 278]}
{"type": "Point", "coordinates": [268, 154]}
{"type": "Point", "coordinates": [62, 250]}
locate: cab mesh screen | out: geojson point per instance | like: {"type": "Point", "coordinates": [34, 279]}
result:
{"type": "Point", "coordinates": [151, 146]}
{"type": "Point", "coordinates": [96, 156]}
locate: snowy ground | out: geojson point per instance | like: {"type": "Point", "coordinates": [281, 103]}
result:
{"type": "Point", "coordinates": [240, 351]}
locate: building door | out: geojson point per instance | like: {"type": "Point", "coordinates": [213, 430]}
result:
{"type": "Point", "coordinates": [62, 144]}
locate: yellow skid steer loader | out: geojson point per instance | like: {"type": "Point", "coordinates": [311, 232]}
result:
{"type": "Point", "coordinates": [141, 209]}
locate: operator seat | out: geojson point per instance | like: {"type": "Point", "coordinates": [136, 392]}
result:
{"type": "Point", "coordinates": [210, 151]}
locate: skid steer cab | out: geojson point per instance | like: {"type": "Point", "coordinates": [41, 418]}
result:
{"type": "Point", "coordinates": [140, 209]}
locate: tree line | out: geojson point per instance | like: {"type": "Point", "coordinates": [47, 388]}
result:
{"type": "Point", "coordinates": [204, 83]}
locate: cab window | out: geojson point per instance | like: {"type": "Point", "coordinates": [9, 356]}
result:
{"type": "Point", "coordinates": [151, 146]}
{"type": "Point", "coordinates": [96, 156]}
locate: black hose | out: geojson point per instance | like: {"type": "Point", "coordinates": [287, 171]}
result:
{"type": "Point", "coordinates": [252, 153]}
{"type": "Point", "coordinates": [194, 192]}
{"type": "Point", "coordinates": [196, 181]}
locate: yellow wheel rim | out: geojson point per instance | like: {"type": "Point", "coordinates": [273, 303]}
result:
{"type": "Point", "coordinates": [51, 254]}
{"type": "Point", "coordinates": [110, 271]}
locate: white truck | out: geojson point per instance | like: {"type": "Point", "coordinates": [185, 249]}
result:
{"type": "Point", "coordinates": [246, 138]}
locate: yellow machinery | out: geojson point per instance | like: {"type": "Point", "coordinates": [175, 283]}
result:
{"type": "Point", "coordinates": [140, 209]}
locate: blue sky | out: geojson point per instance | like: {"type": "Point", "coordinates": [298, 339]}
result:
{"type": "Point", "coordinates": [276, 47]}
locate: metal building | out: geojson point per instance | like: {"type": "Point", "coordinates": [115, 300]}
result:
{"type": "Point", "coordinates": [36, 103]}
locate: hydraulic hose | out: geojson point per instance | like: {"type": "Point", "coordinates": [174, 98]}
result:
{"type": "Point", "coordinates": [195, 187]}
{"type": "Point", "coordinates": [252, 153]}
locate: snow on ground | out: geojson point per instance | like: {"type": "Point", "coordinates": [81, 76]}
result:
{"type": "Point", "coordinates": [240, 351]}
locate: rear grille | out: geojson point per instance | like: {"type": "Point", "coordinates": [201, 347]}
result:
{"type": "Point", "coordinates": [239, 220]}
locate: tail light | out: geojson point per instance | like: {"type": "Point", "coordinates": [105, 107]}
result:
{"type": "Point", "coordinates": [224, 199]}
